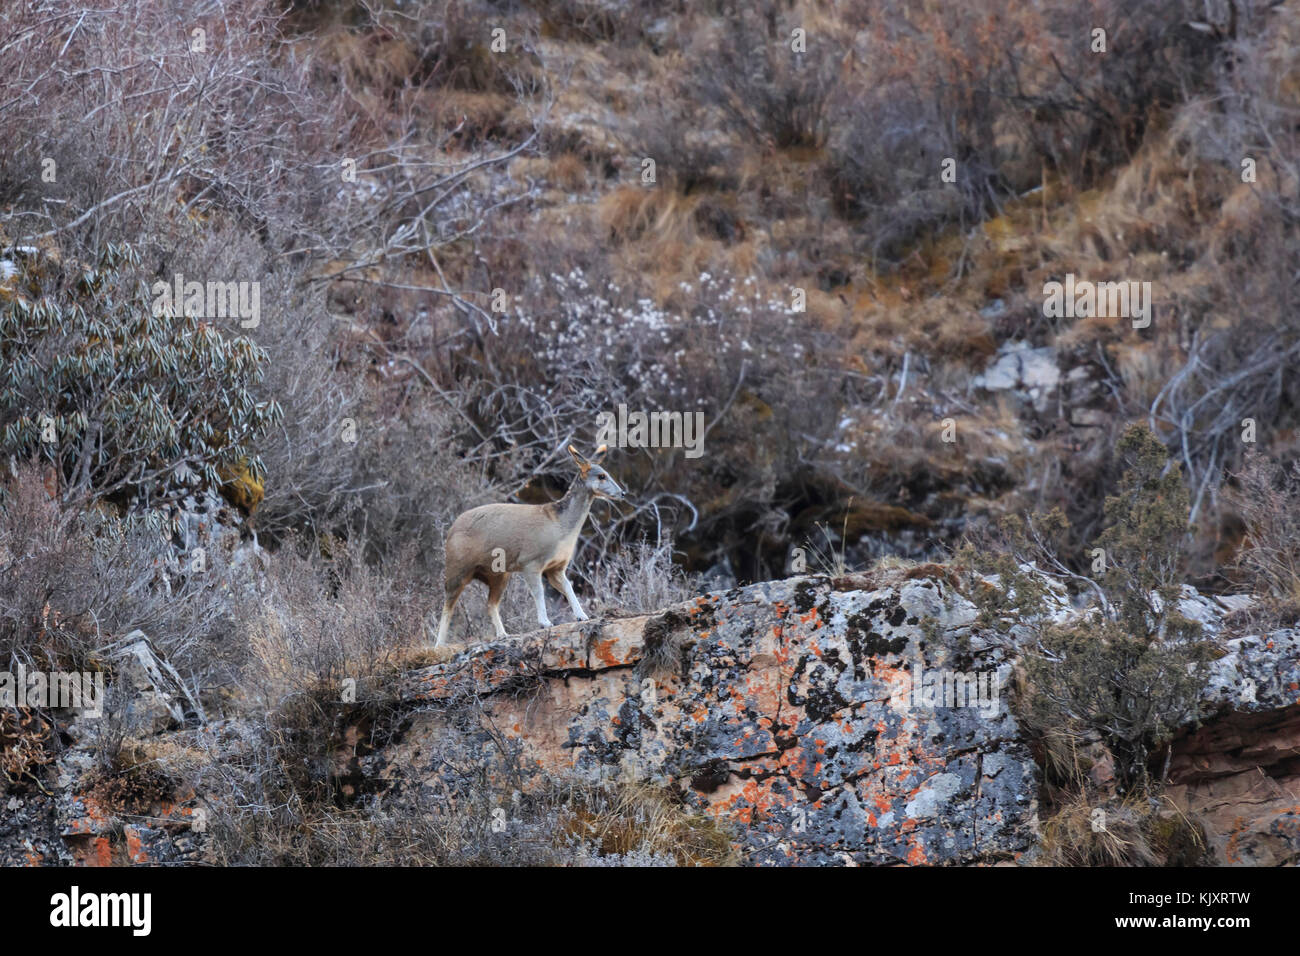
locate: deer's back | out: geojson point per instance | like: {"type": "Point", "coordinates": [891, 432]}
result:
{"type": "Point", "coordinates": [512, 527]}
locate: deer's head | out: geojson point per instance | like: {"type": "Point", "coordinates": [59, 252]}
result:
{"type": "Point", "coordinates": [596, 478]}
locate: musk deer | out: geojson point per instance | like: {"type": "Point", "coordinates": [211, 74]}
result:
{"type": "Point", "coordinates": [491, 542]}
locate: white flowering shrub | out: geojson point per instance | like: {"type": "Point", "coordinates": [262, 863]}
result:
{"type": "Point", "coordinates": [685, 356]}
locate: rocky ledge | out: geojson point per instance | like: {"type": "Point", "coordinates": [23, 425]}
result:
{"type": "Point", "coordinates": [859, 720]}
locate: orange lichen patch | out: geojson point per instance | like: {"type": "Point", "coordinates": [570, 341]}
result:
{"type": "Point", "coordinates": [753, 801]}
{"type": "Point", "coordinates": [916, 856]}
{"type": "Point", "coordinates": [897, 679]}
{"type": "Point", "coordinates": [796, 762]}
{"type": "Point", "coordinates": [135, 851]}
{"type": "Point", "coordinates": [95, 820]}
{"type": "Point", "coordinates": [604, 652]}
{"type": "Point", "coordinates": [102, 848]}
{"type": "Point", "coordinates": [95, 851]}
{"type": "Point", "coordinates": [700, 605]}
{"type": "Point", "coordinates": [1231, 850]}
{"type": "Point", "coordinates": [82, 827]}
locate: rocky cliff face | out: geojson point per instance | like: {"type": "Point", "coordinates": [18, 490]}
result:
{"type": "Point", "coordinates": [1238, 774]}
{"type": "Point", "coordinates": [852, 720]}
{"type": "Point", "coordinates": [786, 708]}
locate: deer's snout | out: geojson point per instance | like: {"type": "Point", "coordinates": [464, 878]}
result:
{"type": "Point", "coordinates": [609, 488]}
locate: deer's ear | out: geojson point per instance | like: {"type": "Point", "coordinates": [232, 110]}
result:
{"type": "Point", "coordinates": [597, 458]}
{"type": "Point", "coordinates": [583, 465]}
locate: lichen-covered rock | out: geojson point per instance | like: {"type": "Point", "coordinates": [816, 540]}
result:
{"type": "Point", "coordinates": [87, 818]}
{"type": "Point", "coordinates": [809, 713]}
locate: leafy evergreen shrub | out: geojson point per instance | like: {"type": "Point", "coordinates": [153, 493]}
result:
{"type": "Point", "coordinates": [122, 402]}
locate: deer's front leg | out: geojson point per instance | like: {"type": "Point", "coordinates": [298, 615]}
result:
{"type": "Point", "coordinates": [561, 583]}
{"type": "Point", "coordinates": [539, 595]}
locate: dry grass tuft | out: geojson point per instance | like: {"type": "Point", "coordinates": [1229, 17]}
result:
{"type": "Point", "coordinates": [1134, 831]}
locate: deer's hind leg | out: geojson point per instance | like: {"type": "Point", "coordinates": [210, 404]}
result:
{"type": "Point", "coordinates": [534, 579]}
{"type": "Point", "coordinates": [496, 582]}
{"type": "Point", "coordinates": [455, 586]}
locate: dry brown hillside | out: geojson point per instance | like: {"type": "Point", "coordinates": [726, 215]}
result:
{"type": "Point", "coordinates": [801, 271]}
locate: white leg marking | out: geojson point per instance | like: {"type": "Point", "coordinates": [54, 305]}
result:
{"type": "Point", "coordinates": [578, 613]}
{"type": "Point", "coordinates": [539, 596]}
{"type": "Point", "coordinates": [496, 622]}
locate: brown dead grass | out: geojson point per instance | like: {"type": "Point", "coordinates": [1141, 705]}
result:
{"type": "Point", "coordinates": [1090, 830]}
{"type": "Point", "coordinates": [634, 816]}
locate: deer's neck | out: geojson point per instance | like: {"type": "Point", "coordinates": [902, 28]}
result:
{"type": "Point", "coordinates": [574, 506]}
